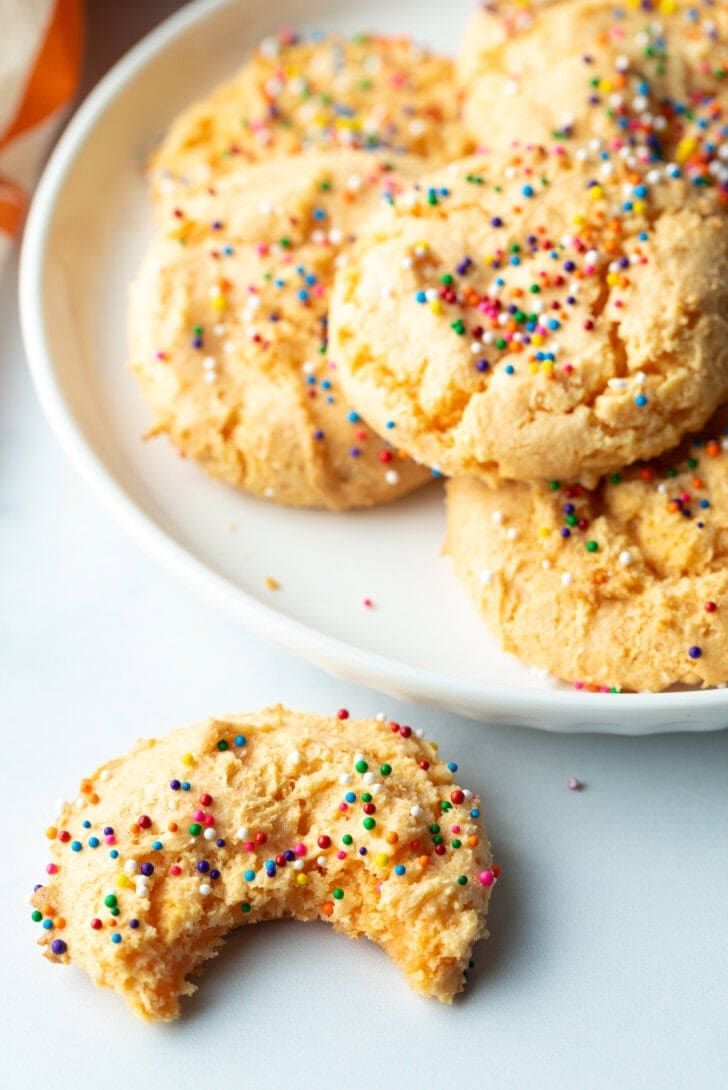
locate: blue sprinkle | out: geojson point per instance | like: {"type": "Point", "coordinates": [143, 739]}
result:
{"type": "Point", "coordinates": [93, 842]}
{"type": "Point", "coordinates": [353, 417]}
{"type": "Point", "coordinates": [249, 875]}
{"type": "Point", "coordinates": [475, 813]}
{"type": "Point", "coordinates": [116, 938]}
{"type": "Point", "coordinates": [114, 853]}
{"type": "Point", "coordinates": [48, 924]}
{"type": "Point", "coordinates": [527, 191]}
{"type": "Point", "coordinates": [87, 824]}
{"type": "Point", "coordinates": [239, 740]}
{"type": "Point", "coordinates": [389, 424]}
{"type": "Point", "coordinates": [510, 369]}
{"type": "Point", "coordinates": [400, 869]}
{"type": "Point", "coordinates": [186, 785]}
{"type": "Point", "coordinates": [76, 845]}
{"type": "Point", "coordinates": [157, 846]}
{"type": "Point", "coordinates": [452, 766]}
{"type": "Point", "coordinates": [350, 796]}
{"type": "Point", "coordinates": [640, 401]}
{"type": "Point", "coordinates": [420, 297]}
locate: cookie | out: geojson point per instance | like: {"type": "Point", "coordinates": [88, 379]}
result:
{"type": "Point", "coordinates": [296, 93]}
{"type": "Point", "coordinates": [651, 76]}
{"type": "Point", "coordinates": [228, 330]}
{"type": "Point", "coordinates": [538, 314]}
{"type": "Point", "coordinates": [257, 817]}
{"type": "Point", "coordinates": [624, 586]}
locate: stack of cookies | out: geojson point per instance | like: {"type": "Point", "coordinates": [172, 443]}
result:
{"type": "Point", "coordinates": [371, 267]}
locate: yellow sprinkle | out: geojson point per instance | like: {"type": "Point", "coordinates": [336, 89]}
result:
{"type": "Point", "coordinates": [579, 219]}
{"type": "Point", "coordinates": [123, 881]}
{"type": "Point", "coordinates": [639, 207]}
{"type": "Point", "coordinates": [301, 879]}
{"type": "Point", "coordinates": [544, 531]}
{"type": "Point", "coordinates": [668, 7]}
{"type": "Point", "coordinates": [537, 338]}
{"type": "Point", "coordinates": [381, 859]}
{"type": "Point", "coordinates": [596, 193]}
{"type": "Point", "coordinates": [606, 85]}
{"type": "Point", "coordinates": [187, 759]}
{"type": "Point", "coordinates": [219, 302]}
{"type": "Point", "coordinates": [685, 149]}
{"type": "Point", "coordinates": [533, 368]}
{"type": "Point", "coordinates": [612, 279]}
{"type": "Point", "coordinates": [436, 306]}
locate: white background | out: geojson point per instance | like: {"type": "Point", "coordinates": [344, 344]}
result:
{"type": "Point", "coordinates": [608, 960]}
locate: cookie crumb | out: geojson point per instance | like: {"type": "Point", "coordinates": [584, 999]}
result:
{"type": "Point", "coordinates": [573, 784]}
{"type": "Point", "coordinates": [271, 583]}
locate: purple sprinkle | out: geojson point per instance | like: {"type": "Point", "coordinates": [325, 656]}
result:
{"type": "Point", "coordinates": [481, 365]}
{"type": "Point", "coordinates": [133, 924]}
{"type": "Point", "coordinates": [496, 222]}
{"type": "Point", "coordinates": [214, 874]}
{"type": "Point", "coordinates": [108, 831]}
{"type": "Point", "coordinates": [354, 452]}
{"type": "Point", "coordinates": [203, 866]}
{"type": "Point", "coordinates": [175, 785]}
{"type": "Point", "coordinates": [220, 843]}
{"type": "Point", "coordinates": [694, 652]}
{"type": "Point", "coordinates": [58, 946]}
{"type": "Point", "coordinates": [147, 869]}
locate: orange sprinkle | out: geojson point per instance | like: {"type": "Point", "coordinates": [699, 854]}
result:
{"type": "Point", "coordinates": [51, 832]}
{"type": "Point", "coordinates": [327, 908]}
{"type": "Point", "coordinates": [391, 838]}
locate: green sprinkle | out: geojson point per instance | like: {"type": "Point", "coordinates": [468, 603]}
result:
{"type": "Point", "coordinates": [500, 343]}
{"type": "Point", "coordinates": [592, 546]}
{"type": "Point", "coordinates": [615, 478]}
{"type": "Point", "coordinates": [459, 326]}
{"type": "Point", "coordinates": [115, 911]}
{"type": "Point", "coordinates": [347, 839]}
{"type": "Point", "coordinates": [369, 823]}
{"type": "Point", "coordinates": [445, 805]}
{"type": "Point", "coordinates": [195, 828]}
{"type": "Point", "coordinates": [692, 463]}
{"type": "Point", "coordinates": [456, 843]}
{"type": "Point", "coordinates": [222, 745]}
{"type": "Point", "coordinates": [361, 766]}
{"type": "Point", "coordinates": [462, 880]}
{"type": "Point", "coordinates": [245, 907]}
{"type": "Point", "coordinates": [36, 916]}
{"type": "Point", "coordinates": [434, 828]}
{"type": "Point", "coordinates": [446, 279]}
{"type": "Point", "coordinates": [110, 900]}
{"type": "Point", "coordinates": [366, 797]}
{"type": "Point", "coordinates": [339, 893]}
{"type": "Point", "coordinates": [385, 769]}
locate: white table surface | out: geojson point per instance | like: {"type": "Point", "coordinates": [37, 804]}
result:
{"type": "Point", "coordinates": [608, 961]}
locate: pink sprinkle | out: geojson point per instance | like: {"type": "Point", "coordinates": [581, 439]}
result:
{"type": "Point", "coordinates": [52, 868]}
{"type": "Point", "coordinates": [175, 870]}
{"type": "Point", "coordinates": [341, 855]}
{"type": "Point", "coordinates": [454, 828]}
{"type": "Point", "coordinates": [299, 850]}
{"type": "Point", "coordinates": [368, 603]}
{"type": "Point", "coordinates": [208, 820]}
{"type": "Point", "coordinates": [249, 846]}
{"type": "Point", "coordinates": [343, 806]}
{"type": "Point", "coordinates": [578, 684]}
{"type": "Point", "coordinates": [486, 878]}
{"type": "Point", "coordinates": [111, 839]}
{"type": "Point", "coordinates": [199, 815]}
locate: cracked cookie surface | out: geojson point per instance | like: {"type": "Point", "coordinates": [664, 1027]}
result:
{"type": "Point", "coordinates": [625, 585]}
{"type": "Point", "coordinates": [651, 76]}
{"type": "Point", "coordinates": [297, 93]}
{"type": "Point", "coordinates": [256, 817]}
{"type": "Point", "coordinates": [228, 330]}
{"type": "Point", "coordinates": [537, 315]}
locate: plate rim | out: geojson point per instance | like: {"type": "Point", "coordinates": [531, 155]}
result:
{"type": "Point", "coordinates": [554, 710]}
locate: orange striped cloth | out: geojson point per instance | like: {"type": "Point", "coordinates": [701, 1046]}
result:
{"type": "Point", "coordinates": [41, 52]}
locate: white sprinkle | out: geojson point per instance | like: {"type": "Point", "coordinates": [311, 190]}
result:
{"type": "Point", "coordinates": [625, 558]}
{"type": "Point", "coordinates": [391, 476]}
{"type": "Point", "coordinates": [377, 788]}
{"type": "Point", "coordinates": [205, 889]}
{"type": "Point", "coordinates": [345, 778]}
{"type": "Point", "coordinates": [130, 867]}
{"type": "Point", "coordinates": [497, 517]}
{"type": "Point", "coordinates": [546, 564]}
{"type": "Point", "coordinates": [298, 864]}
{"type": "Point", "coordinates": [209, 363]}
{"type": "Point", "coordinates": [368, 777]}
{"type": "Point", "coordinates": [512, 534]}
{"type": "Point", "coordinates": [104, 774]}
{"type": "Point", "coordinates": [566, 579]}
{"type": "Point", "coordinates": [321, 860]}
{"type": "Point", "coordinates": [415, 811]}
{"type": "Point", "coordinates": [210, 834]}
{"type": "Point", "coordinates": [242, 833]}
{"type": "Point", "coordinates": [380, 717]}
{"type": "Point", "coordinates": [486, 577]}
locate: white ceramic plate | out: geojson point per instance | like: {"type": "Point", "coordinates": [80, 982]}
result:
{"type": "Point", "coordinates": [88, 226]}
